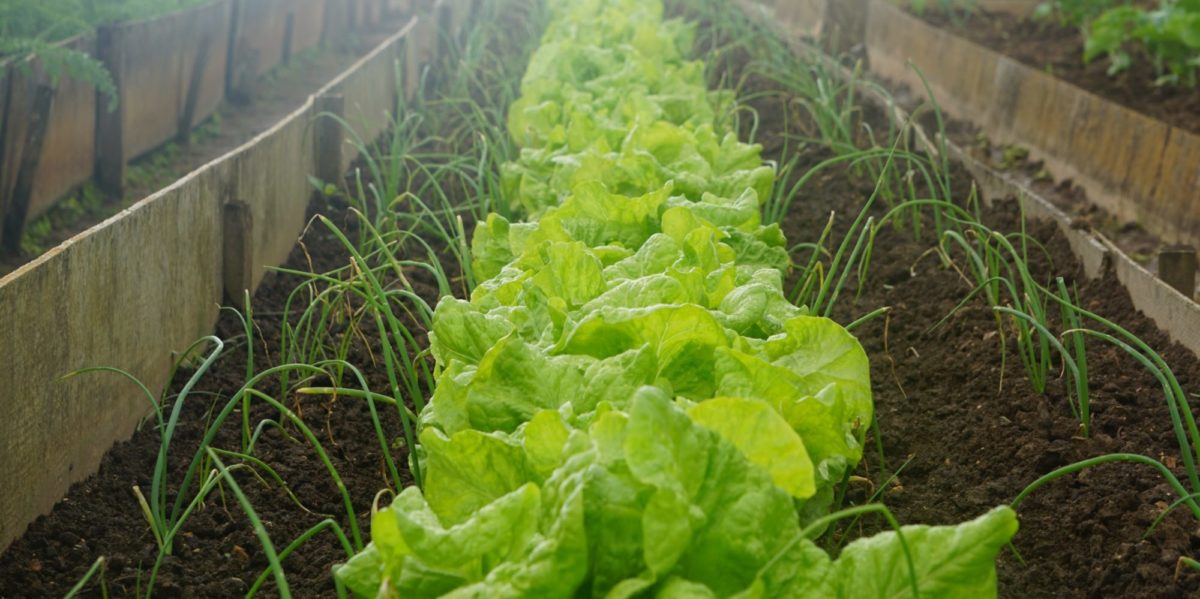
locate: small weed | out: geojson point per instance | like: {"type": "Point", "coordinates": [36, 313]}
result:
{"type": "Point", "coordinates": [1013, 157]}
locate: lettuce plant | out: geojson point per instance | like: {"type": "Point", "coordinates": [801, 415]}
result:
{"type": "Point", "coordinates": [646, 500]}
{"type": "Point", "coordinates": [1168, 35]}
{"type": "Point", "coordinates": [627, 404]}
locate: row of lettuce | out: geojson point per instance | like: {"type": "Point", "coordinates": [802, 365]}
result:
{"type": "Point", "coordinates": [628, 405]}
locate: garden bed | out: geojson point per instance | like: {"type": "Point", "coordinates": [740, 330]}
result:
{"type": "Point", "coordinates": [287, 88]}
{"type": "Point", "coordinates": [969, 444]}
{"type": "Point", "coordinates": [1058, 50]}
{"type": "Point", "coordinates": [141, 80]}
{"type": "Point", "coordinates": [218, 555]}
{"type": "Point", "coordinates": [966, 433]}
{"type": "Point", "coordinates": [1140, 170]}
{"type": "Point", "coordinates": [165, 264]}
{"type": "Point", "coordinates": [960, 433]}
{"type": "Point", "coordinates": [970, 435]}
{"type": "Point", "coordinates": [215, 555]}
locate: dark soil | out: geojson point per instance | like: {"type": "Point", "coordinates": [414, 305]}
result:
{"type": "Point", "coordinates": [1137, 243]}
{"type": "Point", "coordinates": [974, 436]}
{"type": "Point", "coordinates": [1058, 50]}
{"type": "Point", "coordinates": [970, 434]}
{"type": "Point", "coordinates": [217, 554]}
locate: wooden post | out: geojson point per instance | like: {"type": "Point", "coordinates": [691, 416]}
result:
{"type": "Point", "coordinates": [412, 63]}
{"type": "Point", "coordinates": [1177, 268]}
{"type": "Point", "coordinates": [195, 83]}
{"type": "Point", "coordinates": [443, 32]}
{"type": "Point", "coordinates": [14, 220]}
{"type": "Point", "coordinates": [235, 19]}
{"type": "Point", "coordinates": [6, 75]}
{"type": "Point", "coordinates": [242, 60]}
{"type": "Point", "coordinates": [329, 138]}
{"type": "Point", "coordinates": [110, 136]}
{"type": "Point", "coordinates": [289, 31]}
{"type": "Point", "coordinates": [445, 26]}
{"type": "Point", "coordinates": [326, 25]}
{"type": "Point", "coordinates": [335, 23]}
{"type": "Point", "coordinates": [237, 259]}
{"type": "Point", "coordinates": [845, 25]}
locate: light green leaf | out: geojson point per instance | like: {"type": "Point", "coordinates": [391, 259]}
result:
{"type": "Point", "coordinates": [544, 438]}
{"type": "Point", "coordinates": [952, 562]}
{"type": "Point", "coordinates": [820, 353]}
{"type": "Point", "coordinates": [566, 270]}
{"type": "Point", "coordinates": [763, 436]}
{"type": "Point", "coordinates": [683, 338]}
{"type": "Point", "coordinates": [514, 381]}
{"type": "Point", "coordinates": [469, 470]}
{"type": "Point", "coordinates": [462, 332]}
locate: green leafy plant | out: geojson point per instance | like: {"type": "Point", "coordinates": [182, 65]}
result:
{"type": "Point", "coordinates": [956, 9]}
{"type": "Point", "coordinates": [1072, 12]}
{"type": "Point", "coordinates": [60, 61]}
{"type": "Point", "coordinates": [36, 28]}
{"type": "Point", "coordinates": [1168, 37]}
{"type": "Point", "coordinates": [648, 499]}
{"type": "Point", "coordinates": [628, 397]}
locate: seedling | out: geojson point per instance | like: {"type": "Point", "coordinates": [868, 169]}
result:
{"type": "Point", "coordinates": [97, 568]}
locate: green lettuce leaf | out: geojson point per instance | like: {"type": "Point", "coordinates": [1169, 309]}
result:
{"type": "Point", "coordinates": [955, 562]}
{"type": "Point", "coordinates": [763, 436]}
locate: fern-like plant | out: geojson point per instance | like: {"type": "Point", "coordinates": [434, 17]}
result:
{"type": "Point", "coordinates": [36, 28]}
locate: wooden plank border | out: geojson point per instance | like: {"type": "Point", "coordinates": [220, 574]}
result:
{"type": "Point", "coordinates": [141, 285]}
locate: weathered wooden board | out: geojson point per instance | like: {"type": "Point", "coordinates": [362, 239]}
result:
{"type": "Point", "coordinates": [125, 294]}
{"type": "Point", "coordinates": [157, 70]}
{"type": "Point", "coordinates": [143, 284]}
{"type": "Point", "coordinates": [308, 23]}
{"type": "Point", "coordinates": [1137, 168]}
{"type": "Point", "coordinates": [370, 89]}
{"type": "Point", "coordinates": [67, 157]}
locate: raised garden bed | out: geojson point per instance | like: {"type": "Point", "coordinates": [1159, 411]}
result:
{"type": "Point", "coordinates": [166, 263]}
{"type": "Point", "coordinates": [1137, 168]}
{"type": "Point", "coordinates": [141, 77]}
{"type": "Point", "coordinates": [962, 421]}
{"type": "Point", "coordinates": [1139, 171]}
{"type": "Point", "coordinates": [976, 433]}
{"type": "Point", "coordinates": [1058, 49]}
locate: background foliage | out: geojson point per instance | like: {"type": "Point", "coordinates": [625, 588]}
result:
{"type": "Point", "coordinates": [34, 27]}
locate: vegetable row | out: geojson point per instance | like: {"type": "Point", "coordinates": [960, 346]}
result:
{"type": "Point", "coordinates": [628, 405]}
